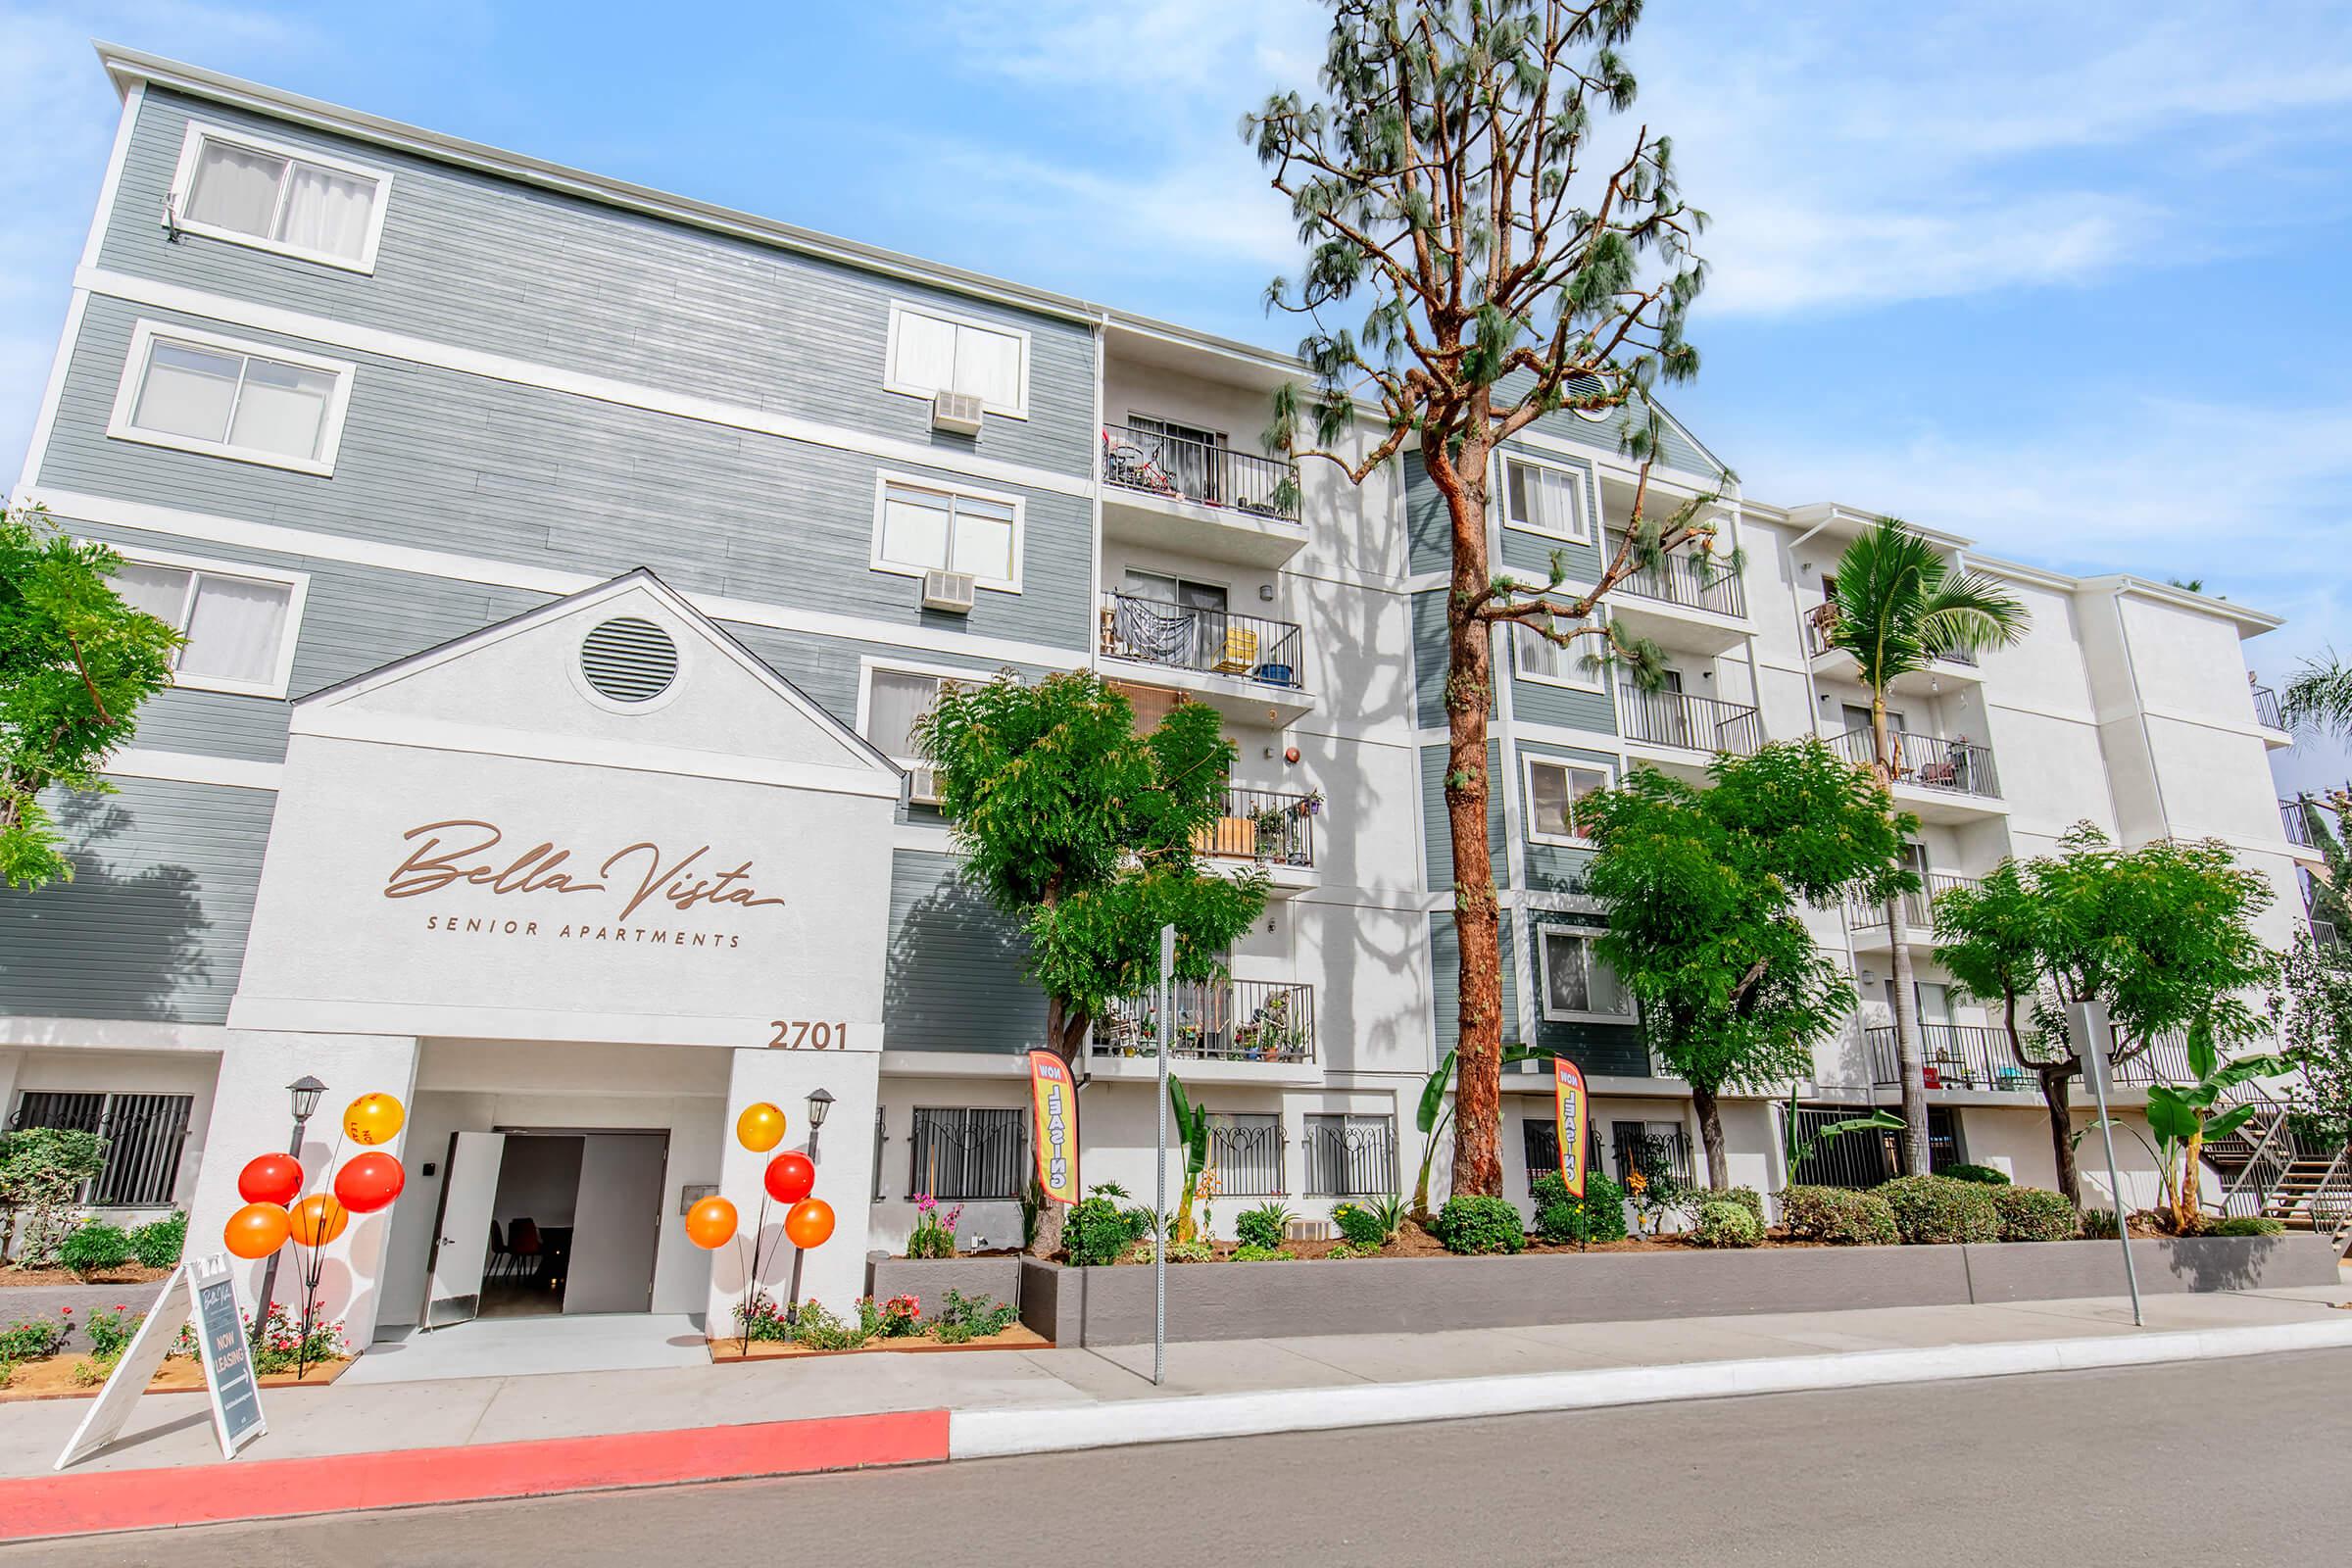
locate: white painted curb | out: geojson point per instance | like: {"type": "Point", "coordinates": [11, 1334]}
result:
{"type": "Point", "coordinates": [1114, 1423]}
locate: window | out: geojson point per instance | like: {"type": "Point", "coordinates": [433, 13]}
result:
{"type": "Point", "coordinates": [931, 353]}
{"type": "Point", "coordinates": [1576, 985]}
{"type": "Point", "coordinates": [1540, 1139]}
{"type": "Point", "coordinates": [1659, 1149]}
{"type": "Point", "coordinates": [197, 392]}
{"type": "Point", "coordinates": [1540, 659]}
{"type": "Point", "coordinates": [236, 622]}
{"type": "Point", "coordinates": [1194, 458]}
{"type": "Point", "coordinates": [919, 528]}
{"type": "Point", "coordinates": [1542, 498]}
{"type": "Point", "coordinates": [278, 198]}
{"type": "Point", "coordinates": [143, 1136]}
{"type": "Point", "coordinates": [1245, 1152]}
{"type": "Point", "coordinates": [968, 1153]}
{"type": "Point", "coordinates": [1350, 1156]}
{"type": "Point", "coordinates": [895, 698]}
{"type": "Point", "coordinates": [1553, 787]}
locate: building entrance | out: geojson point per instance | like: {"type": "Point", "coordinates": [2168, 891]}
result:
{"type": "Point", "coordinates": [544, 1221]}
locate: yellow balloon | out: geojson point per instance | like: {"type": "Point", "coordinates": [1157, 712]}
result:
{"type": "Point", "coordinates": [759, 1128]}
{"type": "Point", "coordinates": [373, 1119]}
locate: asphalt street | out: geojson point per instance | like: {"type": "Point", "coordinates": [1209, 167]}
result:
{"type": "Point", "coordinates": [2212, 1462]}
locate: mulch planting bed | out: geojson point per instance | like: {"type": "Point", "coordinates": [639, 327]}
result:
{"type": "Point", "coordinates": [1015, 1337]}
{"type": "Point", "coordinates": [1415, 1242]}
{"type": "Point", "coordinates": [52, 1378]}
{"type": "Point", "coordinates": [127, 1274]}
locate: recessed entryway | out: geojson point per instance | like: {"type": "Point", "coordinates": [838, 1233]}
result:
{"type": "Point", "coordinates": [570, 1223]}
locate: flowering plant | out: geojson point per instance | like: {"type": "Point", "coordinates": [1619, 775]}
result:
{"type": "Point", "coordinates": [934, 1234]}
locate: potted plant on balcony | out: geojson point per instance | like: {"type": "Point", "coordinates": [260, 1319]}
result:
{"type": "Point", "coordinates": [1273, 829]}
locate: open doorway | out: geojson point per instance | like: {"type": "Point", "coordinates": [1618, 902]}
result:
{"type": "Point", "coordinates": [574, 1222]}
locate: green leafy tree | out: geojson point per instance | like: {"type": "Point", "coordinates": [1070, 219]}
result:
{"type": "Point", "coordinates": [2312, 1010]}
{"type": "Point", "coordinates": [1190, 1122]}
{"type": "Point", "coordinates": [2163, 935]}
{"type": "Point", "coordinates": [2320, 697]}
{"type": "Point", "coordinates": [41, 1171]}
{"type": "Point", "coordinates": [2184, 1115]}
{"type": "Point", "coordinates": [1446, 181]}
{"type": "Point", "coordinates": [75, 665]}
{"type": "Point", "coordinates": [1703, 888]}
{"type": "Point", "coordinates": [1082, 831]}
{"type": "Point", "coordinates": [1897, 607]}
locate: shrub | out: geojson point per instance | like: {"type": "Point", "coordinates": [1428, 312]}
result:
{"type": "Point", "coordinates": [759, 1318]}
{"type": "Point", "coordinates": [1248, 1253]}
{"type": "Point", "coordinates": [1562, 1217]}
{"type": "Point", "coordinates": [963, 1318]}
{"type": "Point", "coordinates": [32, 1340]}
{"type": "Point", "coordinates": [94, 1247]}
{"type": "Point", "coordinates": [1262, 1227]}
{"type": "Point", "coordinates": [1362, 1226]}
{"type": "Point", "coordinates": [898, 1318]}
{"type": "Point", "coordinates": [1839, 1216]}
{"type": "Point", "coordinates": [2248, 1225]}
{"type": "Point", "coordinates": [1475, 1224]}
{"type": "Point", "coordinates": [1982, 1175]}
{"type": "Point", "coordinates": [2098, 1224]}
{"type": "Point", "coordinates": [41, 1169]}
{"type": "Point", "coordinates": [1197, 1250]}
{"type": "Point", "coordinates": [1348, 1250]}
{"type": "Point", "coordinates": [1726, 1225]}
{"type": "Point", "coordinates": [159, 1242]}
{"type": "Point", "coordinates": [2032, 1215]}
{"type": "Point", "coordinates": [1932, 1209]}
{"type": "Point", "coordinates": [819, 1330]}
{"type": "Point", "coordinates": [1695, 1201]}
{"type": "Point", "coordinates": [1098, 1231]}
{"type": "Point", "coordinates": [283, 1347]}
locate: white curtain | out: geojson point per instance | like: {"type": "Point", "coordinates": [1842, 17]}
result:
{"type": "Point", "coordinates": [327, 211]}
{"type": "Point", "coordinates": [236, 629]}
{"type": "Point", "coordinates": [1545, 498]}
{"type": "Point", "coordinates": [988, 363]}
{"type": "Point", "coordinates": [235, 189]}
{"type": "Point", "coordinates": [914, 530]}
{"type": "Point", "coordinates": [897, 700]}
{"type": "Point", "coordinates": [926, 351]}
{"type": "Point", "coordinates": [1547, 798]}
{"type": "Point", "coordinates": [159, 591]}
{"type": "Point", "coordinates": [283, 408]}
{"type": "Point", "coordinates": [187, 391]}
{"type": "Point", "coordinates": [984, 539]}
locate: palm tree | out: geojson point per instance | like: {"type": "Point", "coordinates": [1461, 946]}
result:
{"type": "Point", "coordinates": [1898, 608]}
{"type": "Point", "coordinates": [2320, 697]}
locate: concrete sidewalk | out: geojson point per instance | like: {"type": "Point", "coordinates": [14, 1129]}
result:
{"type": "Point", "coordinates": [351, 1418]}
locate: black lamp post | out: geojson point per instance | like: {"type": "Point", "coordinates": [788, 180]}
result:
{"type": "Point", "coordinates": [820, 1104]}
{"type": "Point", "coordinates": [304, 1091]}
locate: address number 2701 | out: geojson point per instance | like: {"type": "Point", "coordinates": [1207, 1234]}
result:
{"type": "Point", "coordinates": [805, 1034]}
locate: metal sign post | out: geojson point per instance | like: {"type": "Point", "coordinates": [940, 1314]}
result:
{"type": "Point", "coordinates": [1160, 1164]}
{"type": "Point", "coordinates": [2086, 1022]}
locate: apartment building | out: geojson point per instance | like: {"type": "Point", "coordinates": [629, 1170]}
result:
{"type": "Point", "coordinates": [562, 564]}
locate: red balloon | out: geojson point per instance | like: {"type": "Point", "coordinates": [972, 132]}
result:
{"type": "Point", "coordinates": [790, 1177]}
{"type": "Point", "coordinates": [810, 1223]}
{"type": "Point", "coordinates": [369, 1181]}
{"type": "Point", "coordinates": [271, 1179]}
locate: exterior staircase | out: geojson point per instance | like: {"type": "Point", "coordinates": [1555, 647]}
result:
{"type": "Point", "coordinates": [2314, 1194]}
{"type": "Point", "coordinates": [2271, 1172]}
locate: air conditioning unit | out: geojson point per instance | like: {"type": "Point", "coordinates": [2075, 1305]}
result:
{"type": "Point", "coordinates": [951, 591]}
{"type": "Point", "coordinates": [922, 785]}
{"type": "Point", "coordinates": [956, 412]}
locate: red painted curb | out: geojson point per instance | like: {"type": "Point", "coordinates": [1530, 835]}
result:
{"type": "Point", "coordinates": [40, 1506]}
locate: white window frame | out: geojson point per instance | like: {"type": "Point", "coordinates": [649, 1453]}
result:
{"type": "Point", "coordinates": [869, 666]}
{"type": "Point", "coordinates": [1529, 761]}
{"type": "Point", "coordinates": [883, 481]}
{"type": "Point", "coordinates": [900, 309]}
{"type": "Point", "coordinates": [183, 183]}
{"type": "Point", "coordinates": [298, 588]}
{"type": "Point", "coordinates": [1519, 636]}
{"type": "Point", "coordinates": [1583, 498]}
{"type": "Point", "coordinates": [120, 428]}
{"type": "Point", "coordinates": [1546, 930]}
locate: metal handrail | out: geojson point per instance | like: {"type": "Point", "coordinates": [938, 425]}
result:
{"type": "Point", "coordinates": [1929, 761]}
{"type": "Point", "coordinates": [1917, 907]}
{"type": "Point", "coordinates": [1204, 472]}
{"type": "Point", "coordinates": [1823, 619]}
{"type": "Point", "coordinates": [1683, 718]}
{"type": "Point", "coordinates": [1213, 642]}
{"type": "Point", "coordinates": [1265, 825]}
{"type": "Point", "coordinates": [2249, 1191]}
{"type": "Point", "coordinates": [1697, 582]}
{"type": "Point", "coordinates": [2266, 708]}
{"type": "Point", "coordinates": [2291, 815]}
{"type": "Point", "coordinates": [1216, 1020]}
{"type": "Point", "coordinates": [1959, 1056]}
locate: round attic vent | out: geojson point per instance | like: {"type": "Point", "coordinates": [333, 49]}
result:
{"type": "Point", "coordinates": [629, 659]}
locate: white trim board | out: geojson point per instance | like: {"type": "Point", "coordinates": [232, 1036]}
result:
{"type": "Point", "coordinates": [193, 767]}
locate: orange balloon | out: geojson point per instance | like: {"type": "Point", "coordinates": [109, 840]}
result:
{"type": "Point", "coordinates": [710, 1223]}
{"type": "Point", "coordinates": [810, 1222]}
{"type": "Point", "coordinates": [759, 1128]}
{"type": "Point", "coordinates": [256, 1231]}
{"type": "Point", "coordinates": [373, 1119]}
{"type": "Point", "coordinates": [318, 1220]}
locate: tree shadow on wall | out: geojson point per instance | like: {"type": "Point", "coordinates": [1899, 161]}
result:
{"type": "Point", "coordinates": [119, 941]}
{"type": "Point", "coordinates": [954, 977]}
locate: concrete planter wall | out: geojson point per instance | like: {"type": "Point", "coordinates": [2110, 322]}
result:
{"type": "Point", "coordinates": [20, 1304]}
{"type": "Point", "coordinates": [928, 1280]}
{"type": "Point", "coordinates": [1075, 1306]}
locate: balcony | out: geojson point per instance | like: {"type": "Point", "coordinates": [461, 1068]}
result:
{"type": "Point", "coordinates": [1266, 829]}
{"type": "Point", "coordinates": [1962, 1056]}
{"type": "Point", "coordinates": [1217, 1020]}
{"type": "Point", "coordinates": [2293, 817]}
{"type": "Point", "coordinates": [1829, 659]}
{"type": "Point", "coordinates": [1244, 667]}
{"type": "Point", "coordinates": [1869, 921]}
{"type": "Point", "coordinates": [1701, 725]}
{"type": "Point", "coordinates": [2266, 708]}
{"type": "Point", "coordinates": [1941, 780]}
{"type": "Point", "coordinates": [1199, 496]}
{"type": "Point", "coordinates": [1685, 602]}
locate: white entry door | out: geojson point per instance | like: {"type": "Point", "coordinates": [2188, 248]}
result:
{"type": "Point", "coordinates": [616, 1226]}
{"type": "Point", "coordinates": [453, 1291]}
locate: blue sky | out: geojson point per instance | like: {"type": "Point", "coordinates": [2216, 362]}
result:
{"type": "Point", "coordinates": [2072, 280]}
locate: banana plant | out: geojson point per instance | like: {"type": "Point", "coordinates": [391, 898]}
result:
{"type": "Point", "coordinates": [1434, 1112]}
{"type": "Point", "coordinates": [2184, 1116]}
{"type": "Point", "coordinates": [1799, 1149]}
{"type": "Point", "coordinates": [1192, 1131]}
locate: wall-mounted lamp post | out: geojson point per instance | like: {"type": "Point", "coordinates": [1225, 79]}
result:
{"type": "Point", "coordinates": [305, 1092]}
{"type": "Point", "coordinates": [820, 1105]}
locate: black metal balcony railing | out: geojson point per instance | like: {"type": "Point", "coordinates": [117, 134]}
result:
{"type": "Point", "coordinates": [2298, 822]}
{"type": "Point", "coordinates": [1263, 825]}
{"type": "Point", "coordinates": [1930, 761]}
{"type": "Point", "coordinates": [1184, 468]}
{"type": "Point", "coordinates": [1823, 620]}
{"type": "Point", "coordinates": [1695, 582]}
{"type": "Point", "coordinates": [1956, 1056]}
{"type": "Point", "coordinates": [1213, 642]}
{"type": "Point", "coordinates": [2324, 933]}
{"type": "Point", "coordinates": [1917, 907]}
{"type": "Point", "coordinates": [1679, 718]}
{"type": "Point", "coordinates": [2265, 707]}
{"type": "Point", "coordinates": [1217, 1020]}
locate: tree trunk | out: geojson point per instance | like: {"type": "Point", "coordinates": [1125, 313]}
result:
{"type": "Point", "coordinates": [1911, 1062]}
{"type": "Point", "coordinates": [2184, 1197]}
{"type": "Point", "coordinates": [1469, 690]}
{"type": "Point", "coordinates": [1710, 1134]}
{"type": "Point", "coordinates": [2056, 1088]}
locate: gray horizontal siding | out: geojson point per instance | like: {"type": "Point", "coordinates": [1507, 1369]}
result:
{"type": "Point", "coordinates": [487, 263]}
{"type": "Point", "coordinates": [953, 980]}
{"type": "Point", "coordinates": [1610, 1050]}
{"type": "Point", "coordinates": [1437, 827]}
{"type": "Point", "coordinates": [1430, 657]}
{"type": "Point", "coordinates": [1428, 527]}
{"type": "Point", "coordinates": [1555, 867]}
{"type": "Point", "coordinates": [1675, 449]}
{"type": "Point", "coordinates": [1536, 701]}
{"type": "Point", "coordinates": [1446, 975]}
{"type": "Point", "coordinates": [442, 460]}
{"type": "Point", "coordinates": [153, 924]}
